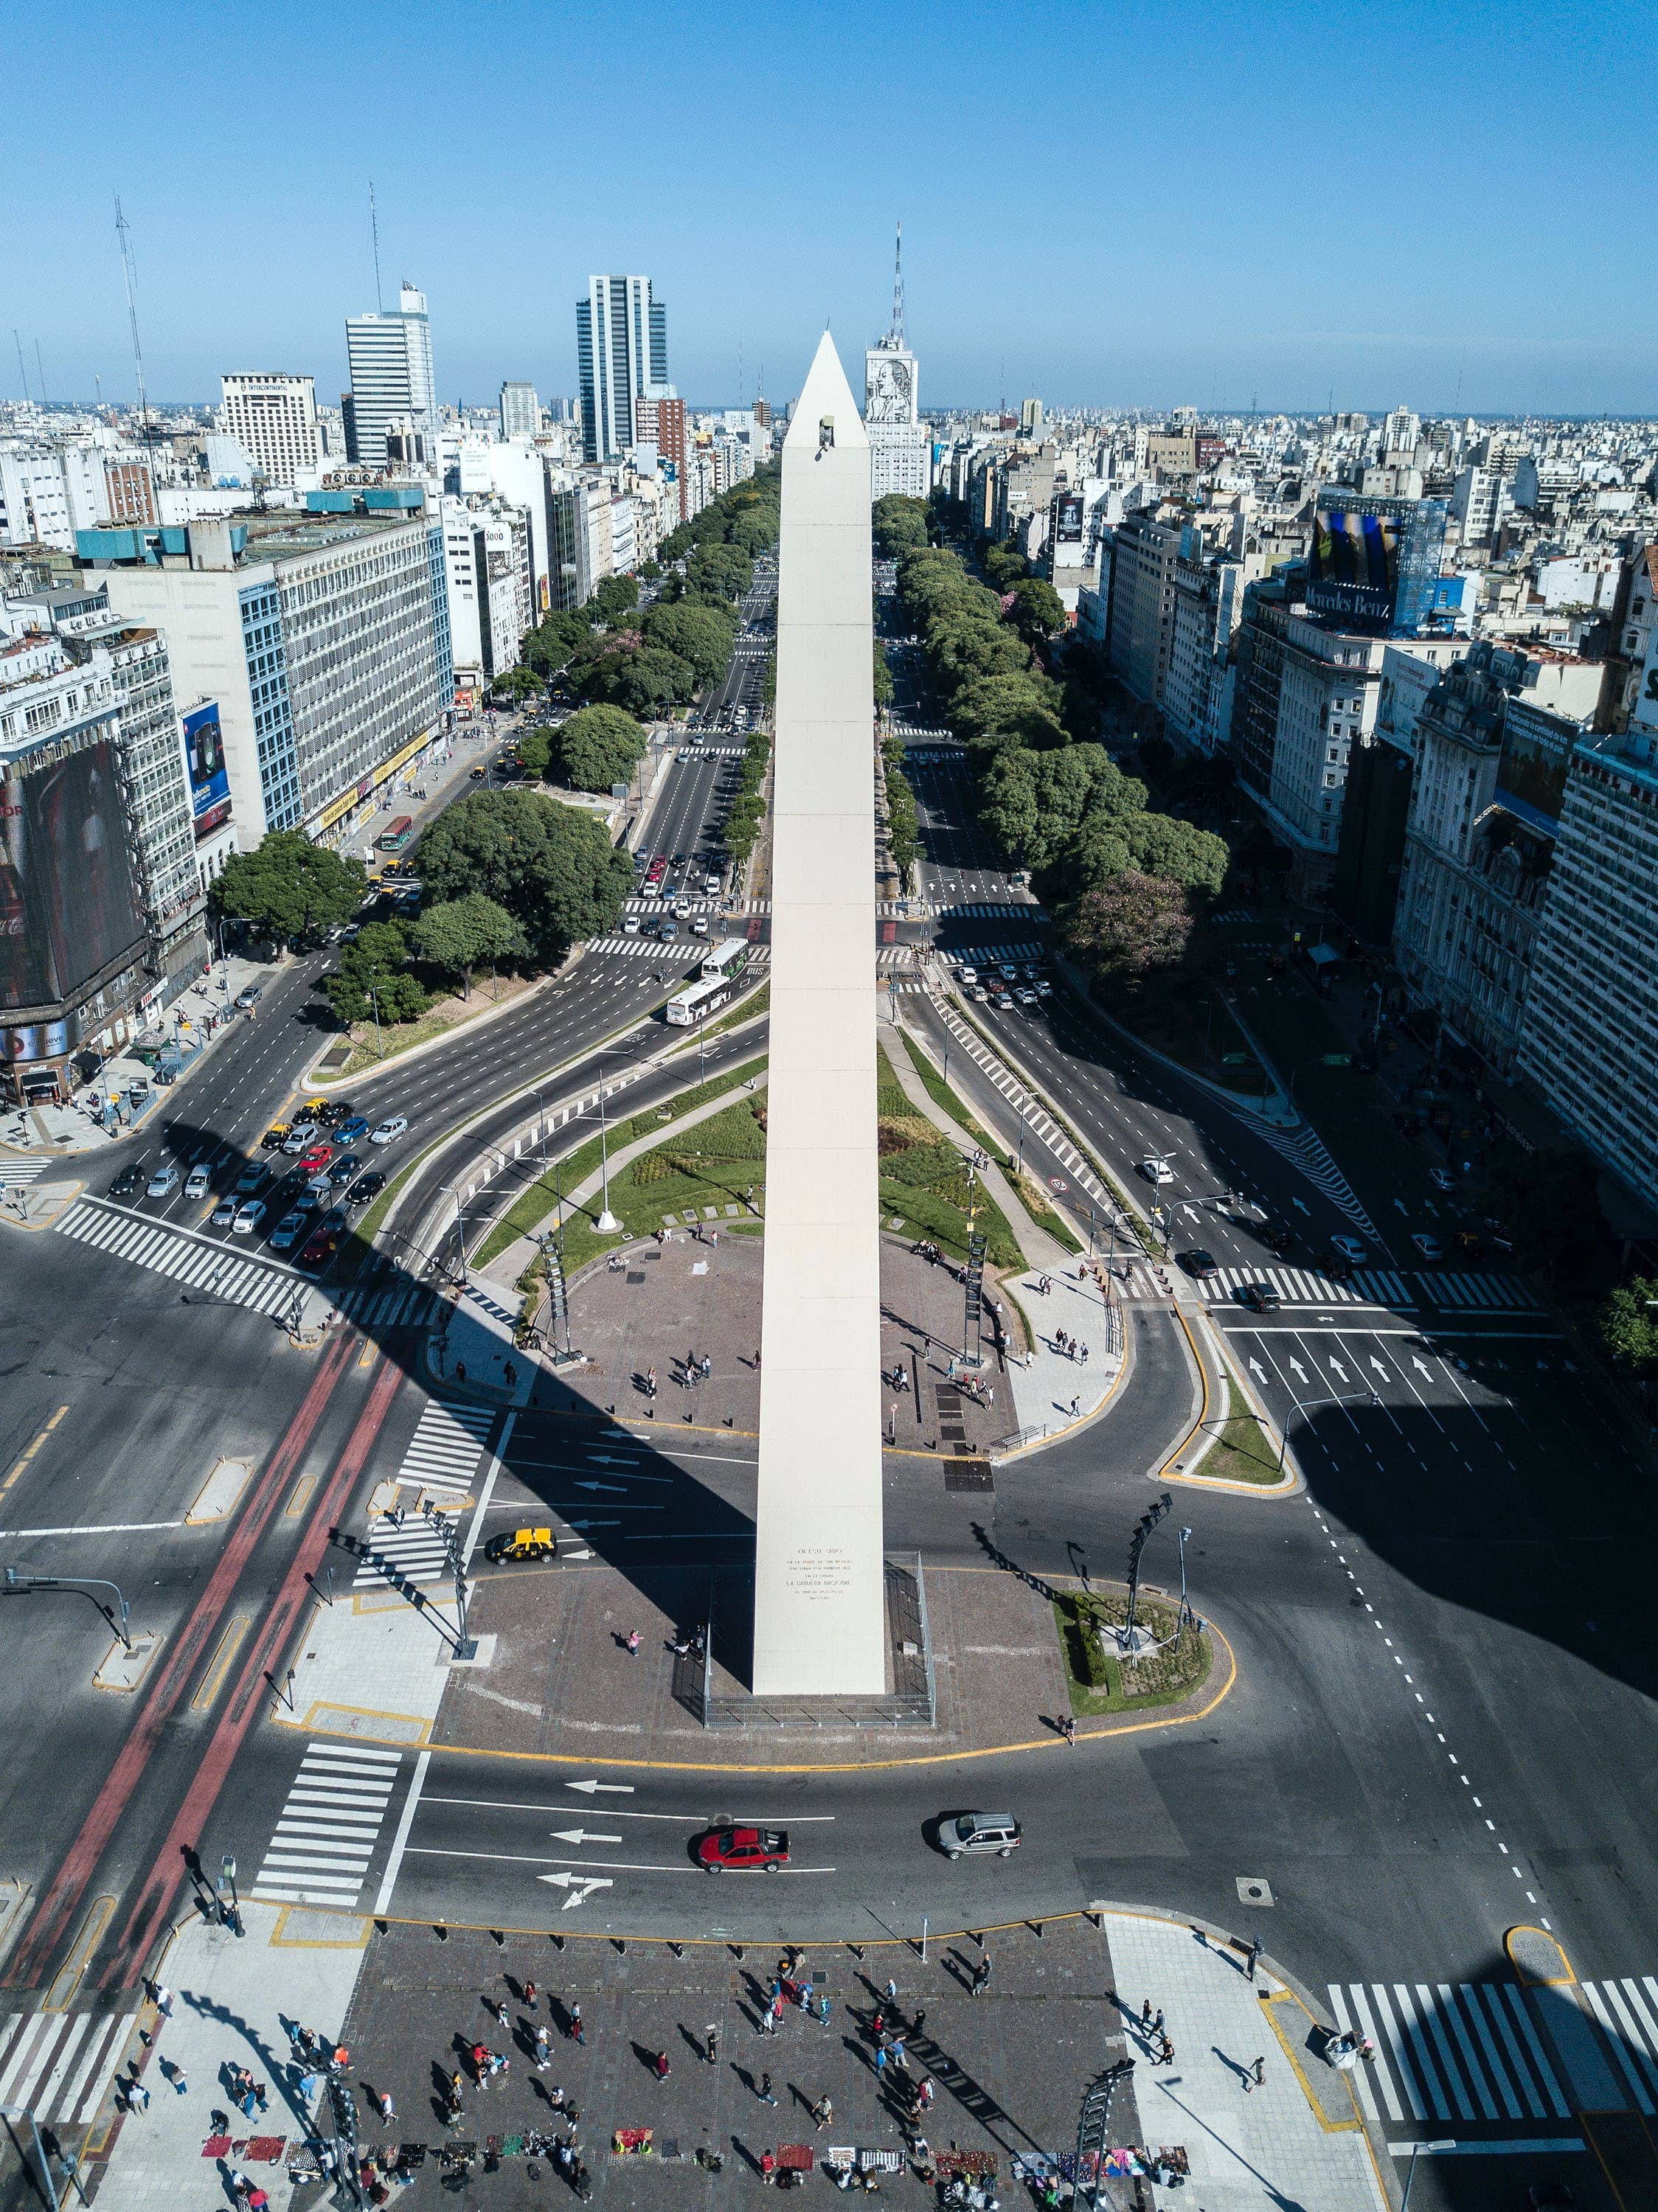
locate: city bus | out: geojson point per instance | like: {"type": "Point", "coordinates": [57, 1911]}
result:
{"type": "Point", "coordinates": [397, 835]}
{"type": "Point", "coordinates": [727, 959]}
{"type": "Point", "coordinates": [702, 999]}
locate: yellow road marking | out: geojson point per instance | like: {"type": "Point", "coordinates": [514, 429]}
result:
{"type": "Point", "coordinates": [68, 1975]}
{"type": "Point", "coordinates": [213, 1680]}
{"type": "Point", "coordinates": [20, 1464]}
{"type": "Point", "coordinates": [300, 1496]}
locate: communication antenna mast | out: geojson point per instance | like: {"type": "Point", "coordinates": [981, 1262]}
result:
{"type": "Point", "coordinates": [40, 366]}
{"type": "Point", "coordinates": [373, 226]}
{"type": "Point", "coordinates": [129, 278]}
{"type": "Point", "coordinates": [17, 341]}
{"type": "Point", "coordinates": [898, 289]}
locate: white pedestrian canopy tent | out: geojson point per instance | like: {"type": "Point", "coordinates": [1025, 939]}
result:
{"type": "Point", "coordinates": [818, 1597]}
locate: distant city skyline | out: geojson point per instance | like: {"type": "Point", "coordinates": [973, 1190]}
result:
{"type": "Point", "coordinates": [1212, 257]}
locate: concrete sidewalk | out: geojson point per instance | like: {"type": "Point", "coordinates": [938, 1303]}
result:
{"type": "Point", "coordinates": [1050, 1390]}
{"type": "Point", "coordinates": [233, 1999]}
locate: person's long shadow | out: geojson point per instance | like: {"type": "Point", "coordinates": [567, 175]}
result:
{"type": "Point", "coordinates": [281, 2072]}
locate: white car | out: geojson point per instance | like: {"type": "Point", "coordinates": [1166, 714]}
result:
{"type": "Point", "coordinates": [288, 1232]}
{"type": "Point", "coordinates": [164, 1180]}
{"type": "Point", "coordinates": [301, 1137]}
{"type": "Point", "coordinates": [700, 928]}
{"type": "Point", "coordinates": [1026, 998]}
{"type": "Point", "coordinates": [389, 1131]}
{"type": "Point", "coordinates": [249, 1214]}
{"type": "Point", "coordinates": [1349, 1248]}
{"type": "Point", "coordinates": [969, 976]}
{"type": "Point", "coordinates": [1428, 1244]}
{"type": "Point", "coordinates": [977, 994]}
{"type": "Point", "coordinates": [684, 753]}
{"type": "Point", "coordinates": [1157, 1170]}
{"type": "Point", "coordinates": [224, 1213]}
{"type": "Point", "coordinates": [198, 1182]}
{"type": "Point", "coordinates": [630, 925]}
{"type": "Point", "coordinates": [1442, 1179]}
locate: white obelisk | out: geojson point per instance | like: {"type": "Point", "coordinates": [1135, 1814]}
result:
{"type": "Point", "coordinates": [819, 1608]}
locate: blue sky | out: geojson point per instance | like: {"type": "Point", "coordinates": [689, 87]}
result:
{"type": "Point", "coordinates": [1129, 205]}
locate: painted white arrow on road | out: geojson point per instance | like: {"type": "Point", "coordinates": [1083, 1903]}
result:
{"type": "Point", "coordinates": [1337, 1368]}
{"type": "Point", "coordinates": [1403, 1208]}
{"type": "Point", "coordinates": [617, 1488]}
{"type": "Point", "coordinates": [1422, 1366]}
{"type": "Point", "coordinates": [613, 1789]}
{"type": "Point", "coordinates": [1298, 1370]}
{"type": "Point", "coordinates": [1381, 1365]}
{"type": "Point", "coordinates": [1305, 1208]}
{"type": "Point", "coordinates": [580, 1836]}
{"type": "Point", "coordinates": [1255, 1367]}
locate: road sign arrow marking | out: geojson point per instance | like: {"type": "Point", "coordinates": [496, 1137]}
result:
{"type": "Point", "coordinates": [1381, 1365]}
{"type": "Point", "coordinates": [1422, 1366]}
{"type": "Point", "coordinates": [1304, 1207]}
{"type": "Point", "coordinates": [613, 1788]}
{"type": "Point", "coordinates": [618, 1489]}
{"type": "Point", "coordinates": [580, 1836]}
{"type": "Point", "coordinates": [1298, 1370]}
{"type": "Point", "coordinates": [1255, 1367]}
{"type": "Point", "coordinates": [1337, 1368]}
{"type": "Point", "coordinates": [1403, 1208]}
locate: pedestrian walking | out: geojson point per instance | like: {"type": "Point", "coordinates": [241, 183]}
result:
{"type": "Point", "coordinates": [578, 2032]}
{"type": "Point", "coordinates": [925, 2094]}
{"type": "Point", "coordinates": [822, 2112]}
{"type": "Point", "coordinates": [1069, 1726]}
{"type": "Point", "coordinates": [899, 2055]}
{"type": "Point", "coordinates": [891, 1991]}
{"type": "Point", "coordinates": [1145, 2015]}
{"type": "Point", "coordinates": [1157, 2024]}
{"type": "Point", "coordinates": [179, 2085]}
{"type": "Point", "coordinates": [1085, 1355]}
{"type": "Point", "coordinates": [919, 2022]}
{"type": "Point", "coordinates": [1077, 1409]}
{"type": "Point", "coordinates": [138, 2097]}
{"type": "Point", "coordinates": [262, 2095]}
{"type": "Point", "coordinates": [459, 1371]}
{"type": "Point", "coordinates": [1165, 2053]}
{"type": "Point", "coordinates": [982, 1976]}
{"type": "Point", "coordinates": [543, 2048]}
{"type": "Point", "coordinates": [650, 1381]}
{"type": "Point", "coordinates": [880, 2062]}
{"type": "Point", "coordinates": [769, 2020]}
{"type": "Point", "coordinates": [1258, 2073]}
{"type": "Point", "coordinates": [499, 2008]}
{"type": "Point", "coordinates": [387, 2109]}
{"type": "Point", "coordinates": [823, 2010]}
{"type": "Point", "coordinates": [663, 2069]}
{"type": "Point", "coordinates": [164, 2000]}
{"type": "Point", "coordinates": [768, 2168]}
{"type": "Point", "coordinates": [767, 2095]}
{"type": "Point", "coordinates": [706, 1367]}
{"type": "Point", "coordinates": [634, 1640]}
{"type": "Point", "coordinates": [711, 2043]}
{"type": "Point", "coordinates": [529, 1996]}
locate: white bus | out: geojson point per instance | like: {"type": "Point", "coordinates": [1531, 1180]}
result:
{"type": "Point", "coordinates": [729, 958]}
{"type": "Point", "coordinates": [700, 1000]}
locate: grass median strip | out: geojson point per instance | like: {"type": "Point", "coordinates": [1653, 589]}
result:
{"type": "Point", "coordinates": [1100, 1680]}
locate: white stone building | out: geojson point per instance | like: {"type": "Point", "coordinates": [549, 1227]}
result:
{"type": "Point", "coordinates": [272, 415]}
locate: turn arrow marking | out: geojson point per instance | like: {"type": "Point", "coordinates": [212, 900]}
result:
{"type": "Point", "coordinates": [1305, 1208]}
{"type": "Point", "coordinates": [1381, 1365]}
{"type": "Point", "coordinates": [613, 1788]}
{"type": "Point", "coordinates": [580, 1836]}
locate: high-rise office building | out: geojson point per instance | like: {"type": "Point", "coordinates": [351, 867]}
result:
{"type": "Point", "coordinates": [273, 416]}
{"type": "Point", "coordinates": [521, 411]}
{"type": "Point", "coordinates": [621, 350]}
{"type": "Point", "coordinates": [393, 393]}
{"type": "Point", "coordinates": [900, 448]}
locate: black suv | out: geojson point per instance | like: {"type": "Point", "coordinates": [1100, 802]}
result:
{"type": "Point", "coordinates": [130, 1179]}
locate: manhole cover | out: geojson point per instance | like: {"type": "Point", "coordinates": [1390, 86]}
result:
{"type": "Point", "coordinates": [1255, 1889]}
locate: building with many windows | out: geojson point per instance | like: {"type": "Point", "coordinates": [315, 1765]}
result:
{"type": "Point", "coordinates": [1589, 1034]}
{"type": "Point", "coordinates": [521, 411]}
{"type": "Point", "coordinates": [273, 417]}
{"type": "Point", "coordinates": [621, 350]}
{"type": "Point", "coordinates": [393, 404]}
{"type": "Point", "coordinates": [323, 636]}
{"type": "Point", "coordinates": [487, 565]}
{"type": "Point", "coordinates": [1141, 622]}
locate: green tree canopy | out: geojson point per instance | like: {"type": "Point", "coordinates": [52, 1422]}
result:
{"type": "Point", "coordinates": [1033, 804]}
{"type": "Point", "coordinates": [963, 646]}
{"type": "Point", "coordinates": [286, 885]}
{"type": "Point", "coordinates": [1164, 845]}
{"type": "Point", "coordinates": [1129, 926]}
{"type": "Point", "coordinates": [516, 684]}
{"type": "Point", "coordinates": [1038, 612]}
{"type": "Point", "coordinates": [883, 676]}
{"type": "Point", "coordinates": [898, 522]}
{"type": "Point", "coordinates": [552, 866]}
{"type": "Point", "coordinates": [701, 636]}
{"type": "Point", "coordinates": [550, 645]}
{"type": "Point", "coordinates": [1626, 1321]}
{"type": "Point", "coordinates": [372, 979]}
{"type": "Point", "coordinates": [1003, 566]}
{"type": "Point", "coordinates": [597, 747]}
{"type": "Point", "coordinates": [1550, 1203]}
{"type": "Point", "coordinates": [615, 597]}
{"type": "Point", "coordinates": [640, 680]}
{"type": "Point", "coordinates": [461, 934]}
{"type": "Point", "coordinates": [535, 748]}
{"type": "Point", "coordinates": [725, 570]}
{"type": "Point", "coordinates": [1024, 707]}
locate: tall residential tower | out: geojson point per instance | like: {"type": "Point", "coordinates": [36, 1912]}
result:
{"type": "Point", "coordinates": [621, 348]}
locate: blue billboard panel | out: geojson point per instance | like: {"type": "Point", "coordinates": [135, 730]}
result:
{"type": "Point", "coordinates": [1375, 562]}
{"type": "Point", "coordinates": [210, 779]}
{"type": "Point", "coordinates": [1536, 759]}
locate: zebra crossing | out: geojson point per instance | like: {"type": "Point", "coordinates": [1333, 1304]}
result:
{"type": "Point", "coordinates": [895, 955]}
{"type": "Point", "coordinates": [59, 2065]}
{"type": "Point", "coordinates": [1366, 1286]}
{"type": "Point", "coordinates": [994, 955]}
{"type": "Point", "coordinates": [669, 905]}
{"type": "Point", "coordinates": [1485, 1293]}
{"type": "Point", "coordinates": [1471, 2051]}
{"type": "Point", "coordinates": [1305, 1149]}
{"type": "Point", "coordinates": [196, 1262]}
{"type": "Point", "coordinates": [1023, 910]}
{"type": "Point", "coordinates": [16, 1174]}
{"type": "Point", "coordinates": [441, 1460]}
{"type": "Point", "coordinates": [635, 948]}
{"type": "Point", "coordinates": [329, 1824]}
{"type": "Point", "coordinates": [403, 1306]}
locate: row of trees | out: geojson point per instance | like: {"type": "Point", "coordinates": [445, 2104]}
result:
{"type": "Point", "coordinates": [1052, 799]}
{"type": "Point", "coordinates": [748, 808]}
{"type": "Point", "coordinates": [593, 749]}
{"type": "Point", "coordinates": [902, 834]}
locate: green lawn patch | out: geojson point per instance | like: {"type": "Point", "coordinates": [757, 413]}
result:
{"type": "Point", "coordinates": [531, 1209]}
{"type": "Point", "coordinates": [1241, 1453]}
{"type": "Point", "coordinates": [748, 1010]}
{"type": "Point", "coordinates": [1099, 1682]}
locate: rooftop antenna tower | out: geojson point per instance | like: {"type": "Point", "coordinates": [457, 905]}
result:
{"type": "Point", "coordinates": [41, 372]}
{"type": "Point", "coordinates": [23, 373]}
{"type": "Point", "coordinates": [898, 289]}
{"type": "Point", "coordinates": [129, 279]}
{"type": "Point", "coordinates": [374, 227]}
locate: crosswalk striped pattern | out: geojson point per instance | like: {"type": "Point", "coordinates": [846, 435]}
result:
{"type": "Point", "coordinates": [1023, 910]}
{"type": "Point", "coordinates": [1304, 1149]}
{"type": "Point", "coordinates": [1453, 2051]}
{"type": "Point", "coordinates": [1627, 2010]}
{"type": "Point", "coordinates": [441, 1460]}
{"type": "Point", "coordinates": [895, 955]}
{"type": "Point", "coordinates": [403, 1304]}
{"type": "Point", "coordinates": [59, 2065]}
{"type": "Point", "coordinates": [993, 956]}
{"type": "Point", "coordinates": [196, 1262]}
{"type": "Point", "coordinates": [1029, 1110]}
{"type": "Point", "coordinates": [668, 906]}
{"type": "Point", "coordinates": [1376, 1286]}
{"type": "Point", "coordinates": [633, 948]}
{"type": "Point", "coordinates": [15, 1174]}
{"type": "Point", "coordinates": [931, 755]}
{"type": "Point", "coordinates": [1484, 1291]}
{"type": "Point", "coordinates": [1234, 913]}
{"type": "Point", "coordinates": [326, 1835]}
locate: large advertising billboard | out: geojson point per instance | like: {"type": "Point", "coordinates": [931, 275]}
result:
{"type": "Point", "coordinates": [68, 906]}
{"type": "Point", "coordinates": [210, 779]}
{"type": "Point", "coordinates": [1530, 775]}
{"type": "Point", "coordinates": [1068, 518]}
{"type": "Point", "coordinates": [1354, 567]}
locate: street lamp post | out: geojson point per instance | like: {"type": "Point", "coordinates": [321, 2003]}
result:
{"type": "Point", "coordinates": [1312, 1405]}
{"type": "Point", "coordinates": [117, 1615]}
{"type": "Point", "coordinates": [1445, 2142]}
{"type": "Point", "coordinates": [380, 1042]}
{"type": "Point", "coordinates": [23, 2112]}
{"type": "Point", "coordinates": [1185, 1538]}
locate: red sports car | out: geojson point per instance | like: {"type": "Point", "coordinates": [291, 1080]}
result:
{"type": "Point", "coordinates": [743, 1847]}
{"type": "Point", "coordinates": [318, 1157]}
